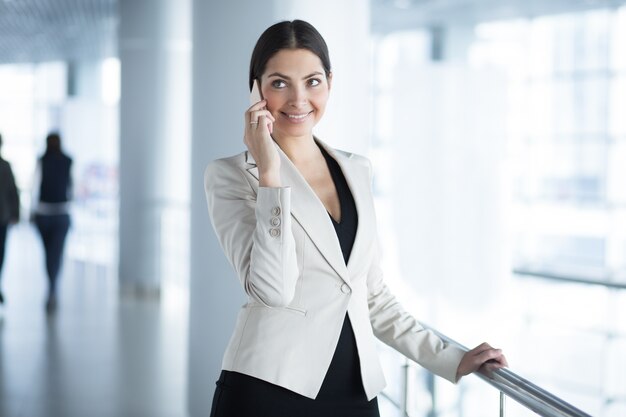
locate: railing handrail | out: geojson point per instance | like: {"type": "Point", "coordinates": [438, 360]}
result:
{"type": "Point", "coordinates": [523, 391]}
{"type": "Point", "coordinates": [604, 282]}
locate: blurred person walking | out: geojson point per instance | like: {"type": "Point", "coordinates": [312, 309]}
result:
{"type": "Point", "coordinates": [9, 207]}
{"type": "Point", "coordinates": [51, 211]}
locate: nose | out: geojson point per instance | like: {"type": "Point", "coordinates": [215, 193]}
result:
{"type": "Point", "coordinates": [298, 96]}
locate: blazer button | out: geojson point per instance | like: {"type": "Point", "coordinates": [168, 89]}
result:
{"type": "Point", "coordinates": [345, 288]}
{"type": "Point", "coordinates": [274, 232]}
{"type": "Point", "coordinates": [276, 211]}
{"type": "Point", "coordinates": [275, 221]}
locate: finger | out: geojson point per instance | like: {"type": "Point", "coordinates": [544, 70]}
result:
{"type": "Point", "coordinates": [257, 106]}
{"type": "Point", "coordinates": [504, 362]}
{"type": "Point", "coordinates": [500, 360]}
{"type": "Point", "coordinates": [487, 370]}
{"type": "Point", "coordinates": [481, 348]}
{"type": "Point", "coordinates": [488, 355]}
{"type": "Point", "coordinates": [252, 124]}
{"type": "Point", "coordinates": [262, 120]}
{"type": "Point", "coordinates": [254, 115]}
{"type": "Point", "coordinates": [270, 125]}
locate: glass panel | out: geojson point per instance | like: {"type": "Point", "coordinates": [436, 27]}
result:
{"type": "Point", "coordinates": [592, 105]}
{"type": "Point", "coordinates": [591, 37]}
{"type": "Point", "coordinates": [565, 153]}
{"type": "Point", "coordinates": [540, 109]}
{"type": "Point", "coordinates": [618, 39]}
{"type": "Point", "coordinates": [567, 172]}
{"type": "Point", "coordinates": [617, 174]}
{"type": "Point", "coordinates": [617, 108]}
{"type": "Point", "coordinates": [541, 46]}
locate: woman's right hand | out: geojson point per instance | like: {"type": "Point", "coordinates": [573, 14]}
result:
{"type": "Point", "coordinates": [258, 139]}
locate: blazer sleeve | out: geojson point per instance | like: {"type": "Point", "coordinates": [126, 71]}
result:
{"type": "Point", "coordinates": [397, 328]}
{"type": "Point", "coordinates": [254, 230]}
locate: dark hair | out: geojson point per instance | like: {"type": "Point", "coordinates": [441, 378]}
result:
{"type": "Point", "coordinates": [53, 143]}
{"type": "Point", "coordinates": [296, 34]}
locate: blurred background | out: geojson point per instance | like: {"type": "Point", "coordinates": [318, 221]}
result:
{"type": "Point", "coordinates": [497, 131]}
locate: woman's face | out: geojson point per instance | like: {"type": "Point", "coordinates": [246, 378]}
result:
{"type": "Point", "coordinates": [296, 89]}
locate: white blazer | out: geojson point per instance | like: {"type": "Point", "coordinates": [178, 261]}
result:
{"type": "Point", "coordinates": [285, 251]}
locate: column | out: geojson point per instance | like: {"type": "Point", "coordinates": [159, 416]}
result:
{"type": "Point", "coordinates": [155, 55]}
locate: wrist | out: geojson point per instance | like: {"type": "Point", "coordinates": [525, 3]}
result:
{"type": "Point", "coordinates": [269, 179]}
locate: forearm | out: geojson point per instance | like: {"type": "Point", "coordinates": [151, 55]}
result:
{"type": "Point", "coordinates": [400, 330]}
{"type": "Point", "coordinates": [254, 230]}
{"type": "Point", "coordinates": [273, 270]}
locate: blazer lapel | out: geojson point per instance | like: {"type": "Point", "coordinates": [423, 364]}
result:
{"type": "Point", "coordinates": [358, 178]}
{"type": "Point", "coordinates": [309, 212]}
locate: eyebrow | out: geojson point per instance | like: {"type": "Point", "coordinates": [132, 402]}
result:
{"type": "Point", "coordinates": [278, 74]}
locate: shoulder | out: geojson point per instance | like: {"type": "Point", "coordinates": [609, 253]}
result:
{"type": "Point", "coordinates": [354, 159]}
{"type": "Point", "coordinates": [231, 162]}
{"type": "Point", "coordinates": [225, 167]}
{"type": "Point", "coordinates": [5, 167]}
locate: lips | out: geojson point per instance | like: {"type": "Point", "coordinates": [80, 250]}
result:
{"type": "Point", "coordinates": [296, 117]}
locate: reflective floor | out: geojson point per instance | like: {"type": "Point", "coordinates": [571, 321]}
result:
{"type": "Point", "coordinates": [99, 355]}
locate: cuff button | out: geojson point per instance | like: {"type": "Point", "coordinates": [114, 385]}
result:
{"type": "Point", "coordinates": [276, 211]}
{"type": "Point", "coordinates": [275, 221]}
{"type": "Point", "coordinates": [274, 232]}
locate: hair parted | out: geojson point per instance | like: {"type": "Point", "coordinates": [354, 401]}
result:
{"type": "Point", "coordinates": [296, 34]}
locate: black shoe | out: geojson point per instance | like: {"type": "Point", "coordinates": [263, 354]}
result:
{"type": "Point", "coordinates": [1, 298]}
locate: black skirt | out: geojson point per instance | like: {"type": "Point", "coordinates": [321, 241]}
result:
{"type": "Point", "coordinates": [341, 395]}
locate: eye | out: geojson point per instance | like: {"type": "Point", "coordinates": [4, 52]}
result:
{"type": "Point", "coordinates": [314, 82]}
{"type": "Point", "coordinates": [278, 84]}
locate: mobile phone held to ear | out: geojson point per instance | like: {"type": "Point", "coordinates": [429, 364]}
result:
{"type": "Point", "coordinates": [255, 97]}
{"type": "Point", "coordinates": [255, 94]}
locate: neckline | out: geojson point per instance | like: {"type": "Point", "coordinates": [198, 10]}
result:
{"type": "Point", "coordinates": [332, 165]}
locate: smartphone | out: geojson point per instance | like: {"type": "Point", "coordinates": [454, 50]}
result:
{"type": "Point", "coordinates": [255, 94]}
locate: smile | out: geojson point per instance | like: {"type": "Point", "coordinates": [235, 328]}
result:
{"type": "Point", "coordinates": [297, 117]}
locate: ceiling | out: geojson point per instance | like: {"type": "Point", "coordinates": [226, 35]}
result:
{"type": "Point", "coordinates": [393, 15]}
{"type": "Point", "coordinates": [45, 30]}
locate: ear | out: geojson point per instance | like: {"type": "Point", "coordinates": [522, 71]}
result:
{"type": "Point", "coordinates": [329, 80]}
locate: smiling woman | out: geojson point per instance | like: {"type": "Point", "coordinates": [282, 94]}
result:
{"type": "Point", "coordinates": [296, 219]}
{"type": "Point", "coordinates": [297, 101]}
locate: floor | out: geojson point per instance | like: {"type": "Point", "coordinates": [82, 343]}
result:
{"type": "Point", "coordinates": [99, 355]}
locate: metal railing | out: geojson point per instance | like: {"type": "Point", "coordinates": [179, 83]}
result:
{"type": "Point", "coordinates": [513, 386]}
{"type": "Point", "coordinates": [604, 281]}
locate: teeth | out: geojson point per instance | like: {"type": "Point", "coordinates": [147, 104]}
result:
{"type": "Point", "coordinates": [297, 116]}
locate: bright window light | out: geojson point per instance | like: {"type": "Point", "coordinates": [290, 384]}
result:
{"type": "Point", "coordinates": [111, 81]}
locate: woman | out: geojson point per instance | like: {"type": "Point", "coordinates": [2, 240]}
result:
{"type": "Point", "coordinates": [296, 220]}
{"type": "Point", "coordinates": [51, 213]}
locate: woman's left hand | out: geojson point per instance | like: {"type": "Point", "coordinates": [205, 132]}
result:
{"type": "Point", "coordinates": [483, 358]}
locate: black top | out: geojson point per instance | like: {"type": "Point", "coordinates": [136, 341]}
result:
{"type": "Point", "coordinates": [343, 379]}
{"type": "Point", "coordinates": [346, 228]}
{"type": "Point", "coordinates": [56, 181]}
